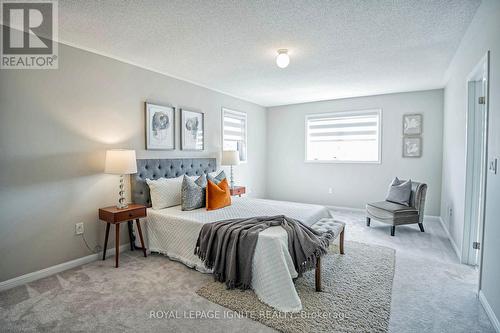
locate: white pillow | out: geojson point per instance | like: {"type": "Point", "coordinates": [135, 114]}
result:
{"type": "Point", "coordinates": [165, 192]}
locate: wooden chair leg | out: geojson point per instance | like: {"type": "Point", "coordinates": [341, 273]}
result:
{"type": "Point", "coordinates": [318, 274]}
{"type": "Point", "coordinates": [393, 230]}
{"type": "Point", "coordinates": [367, 221]}
{"type": "Point", "coordinates": [341, 241]}
{"type": "Point", "coordinates": [117, 243]}
{"type": "Point", "coordinates": [140, 237]}
{"type": "Point", "coordinates": [421, 226]}
{"type": "Point", "coordinates": [106, 241]}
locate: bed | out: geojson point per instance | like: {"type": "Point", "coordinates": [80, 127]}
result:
{"type": "Point", "coordinates": [174, 232]}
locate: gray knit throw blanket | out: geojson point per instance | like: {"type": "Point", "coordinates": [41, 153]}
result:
{"type": "Point", "coordinates": [227, 247]}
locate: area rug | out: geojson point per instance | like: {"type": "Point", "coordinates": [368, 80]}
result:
{"type": "Point", "coordinates": [356, 294]}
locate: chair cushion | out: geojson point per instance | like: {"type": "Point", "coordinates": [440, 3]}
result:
{"type": "Point", "coordinates": [329, 224]}
{"type": "Point", "coordinates": [392, 207]}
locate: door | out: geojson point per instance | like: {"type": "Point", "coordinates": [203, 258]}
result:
{"type": "Point", "coordinates": [477, 126]}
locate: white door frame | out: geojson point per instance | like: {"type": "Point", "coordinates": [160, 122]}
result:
{"type": "Point", "coordinates": [470, 233]}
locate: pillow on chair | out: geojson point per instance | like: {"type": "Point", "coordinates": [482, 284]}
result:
{"type": "Point", "coordinates": [399, 192]}
{"type": "Point", "coordinates": [218, 195]}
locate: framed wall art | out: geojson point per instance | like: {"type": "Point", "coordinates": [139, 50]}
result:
{"type": "Point", "coordinates": [160, 127]}
{"type": "Point", "coordinates": [192, 130]}
{"type": "Point", "coordinates": [412, 124]}
{"type": "Point", "coordinates": [412, 146]}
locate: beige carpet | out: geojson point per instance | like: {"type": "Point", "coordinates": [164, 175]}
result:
{"type": "Point", "coordinates": [356, 294]}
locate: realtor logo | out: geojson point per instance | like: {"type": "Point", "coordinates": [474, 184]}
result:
{"type": "Point", "coordinates": [29, 34]}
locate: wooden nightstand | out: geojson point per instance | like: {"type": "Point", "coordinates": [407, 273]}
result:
{"type": "Point", "coordinates": [113, 215]}
{"type": "Point", "coordinates": [238, 190]}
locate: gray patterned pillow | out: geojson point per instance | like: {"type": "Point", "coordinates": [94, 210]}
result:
{"type": "Point", "coordinates": [217, 179]}
{"type": "Point", "coordinates": [193, 192]}
{"type": "Point", "coordinates": [399, 192]}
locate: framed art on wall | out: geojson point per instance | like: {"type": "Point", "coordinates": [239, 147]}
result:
{"type": "Point", "coordinates": [412, 146]}
{"type": "Point", "coordinates": [412, 124]}
{"type": "Point", "coordinates": [160, 127]}
{"type": "Point", "coordinates": [192, 130]}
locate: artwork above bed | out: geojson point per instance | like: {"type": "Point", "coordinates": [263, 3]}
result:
{"type": "Point", "coordinates": [160, 127]}
{"type": "Point", "coordinates": [192, 130]}
{"type": "Point", "coordinates": [167, 168]}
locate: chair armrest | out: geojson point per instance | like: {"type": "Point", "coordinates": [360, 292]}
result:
{"type": "Point", "coordinates": [420, 193]}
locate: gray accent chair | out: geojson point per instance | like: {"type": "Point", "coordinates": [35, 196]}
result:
{"type": "Point", "coordinates": [396, 214]}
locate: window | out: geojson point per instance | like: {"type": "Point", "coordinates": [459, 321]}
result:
{"type": "Point", "coordinates": [344, 137]}
{"type": "Point", "coordinates": [234, 132]}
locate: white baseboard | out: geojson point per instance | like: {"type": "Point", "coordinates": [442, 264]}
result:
{"type": "Point", "coordinates": [452, 241]}
{"type": "Point", "coordinates": [362, 210]}
{"type": "Point", "coordinates": [30, 277]}
{"type": "Point", "coordinates": [489, 311]}
{"type": "Point", "coordinates": [432, 218]}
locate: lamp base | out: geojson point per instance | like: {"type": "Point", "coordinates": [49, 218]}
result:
{"type": "Point", "coordinates": [231, 183]}
{"type": "Point", "coordinates": [122, 203]}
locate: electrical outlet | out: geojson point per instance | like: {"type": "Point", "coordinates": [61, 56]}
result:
{"type": "Point", "coordinates": [450, 212]}
{"type": "Point", "coordinates": [493, 166]}
{"type": "Point", "coordinates": [78, 228]}
{"type": "Point", "coordinates": [330, 190]}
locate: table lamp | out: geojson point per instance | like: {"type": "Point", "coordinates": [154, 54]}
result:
{"type": "Point", "coordinates": [231, 157]}
{"type": "Point", "coordinates": [121, 162]}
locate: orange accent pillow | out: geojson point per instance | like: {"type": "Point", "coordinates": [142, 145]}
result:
{"type": "Point", "coordinates": [218, 196]}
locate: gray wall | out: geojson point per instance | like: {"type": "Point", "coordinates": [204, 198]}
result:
{"type": "Point", "coordinates": [482, 35]}
{"type": "Point", "coordinates": [290, 178]}
{"type": "Point", "coordinates": [55, 126]}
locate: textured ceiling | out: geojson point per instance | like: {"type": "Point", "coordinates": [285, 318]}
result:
{"type": "Point", "coordinates": [337, 48]}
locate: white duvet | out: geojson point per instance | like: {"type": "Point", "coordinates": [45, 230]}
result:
{"type": "Point", "coordinates": [174, 233]}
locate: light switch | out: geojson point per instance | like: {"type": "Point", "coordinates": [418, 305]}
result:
{"type": "Point", "coordinates": [493, 166]}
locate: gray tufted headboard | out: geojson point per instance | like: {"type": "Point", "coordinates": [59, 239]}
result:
{"type": "Point", "coordinates": [167, 168]}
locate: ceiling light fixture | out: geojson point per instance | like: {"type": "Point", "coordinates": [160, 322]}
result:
{"type": "Point", "coordinates": [282, 60]}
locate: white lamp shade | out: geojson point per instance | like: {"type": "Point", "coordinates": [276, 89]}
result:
{"type": "Point", "coordinates": [120, 162]}
{"type": "Point", "coordinates": [230, 157]}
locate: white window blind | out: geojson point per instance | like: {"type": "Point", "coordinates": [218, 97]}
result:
{"type": "Point", "coordinates": [343, 137]}
{"type": "Point", "coordinates": [234, 125]}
